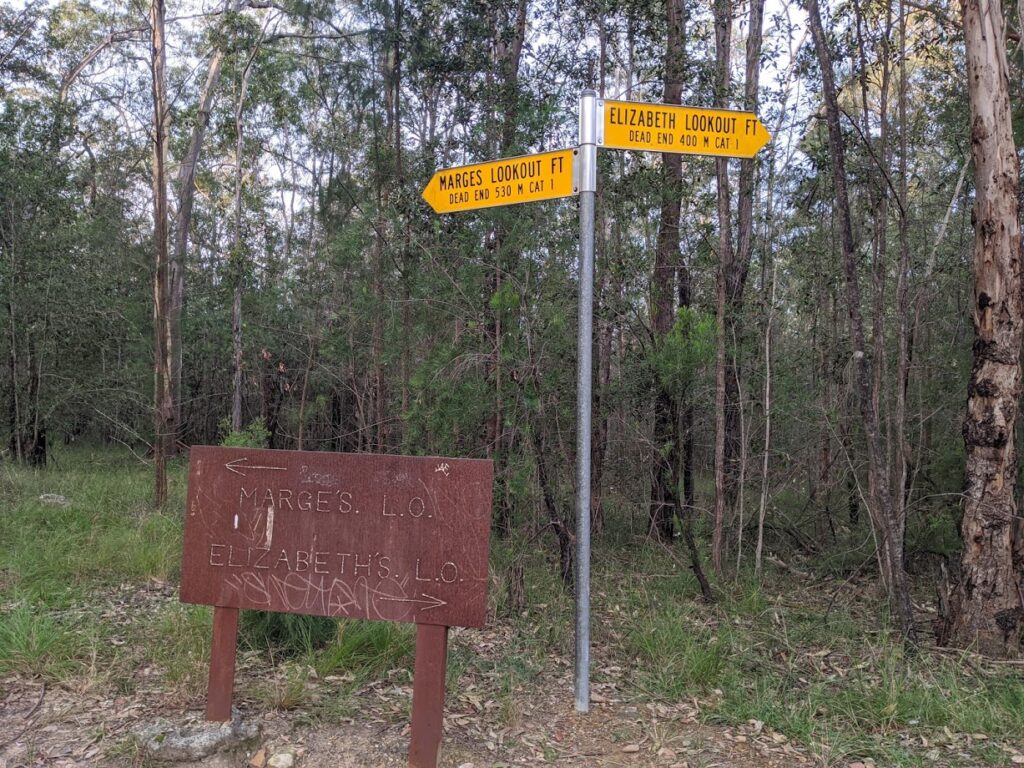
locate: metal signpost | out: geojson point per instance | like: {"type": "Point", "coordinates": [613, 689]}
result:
{"type": "Point", "coordinates": [588, 196]}
{"type": "Point", "coordinates": [369, 536]}
{"type": "Point", "coordinates": [614, 125]}
{"type": "Point", "coordinates": [651, 128]}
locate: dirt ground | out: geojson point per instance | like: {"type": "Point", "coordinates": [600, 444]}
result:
{"type": "Point", "coordinates": [85, 721]}
{"type": "Point", "coordinates": [81, 722]}
{"type": "Point", "coordinates": [54, 726]}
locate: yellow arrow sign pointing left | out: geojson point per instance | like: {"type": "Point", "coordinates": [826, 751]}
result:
{"type": "Point", "coordinates": [525, 179]}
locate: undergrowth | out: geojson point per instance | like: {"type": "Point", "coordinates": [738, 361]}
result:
{"type": "Point", "coordinates": [812, 659]}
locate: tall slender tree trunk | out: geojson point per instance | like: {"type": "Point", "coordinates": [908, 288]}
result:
{"type": "Point", "coordinates": [902, 461]}
{"type": "Point", "coordinates": [385, 177]}
{"type": "Point", "coordinates": [13, 363]}
{"type": "Point", "coordinates": [304, 392]}
{"type": "Point", "coordinates": [986, 602]}
{"type": "Point", "coordinates": [507, 56]}
{"type": "Point", "coordinates": [163, 398]}
{"type": "Point", "coordinates": [35, 450]}
{"type": "Point", "coordinates": [723, 46]}
{"type": "Point", "coordinates": [672, 459]}
{"type": "Point", "coordinates": [890, 551]}
{"type": "Point", "coordinates": [736, 272]}
{"type": "Point", "coordinates": [763, 504]}
{"type": "Point", "coordinates": [182, 221]}
{"type": "Point", "coordinates": [237, 259]}
{"type": "Point", "coordinates": [663, 287]}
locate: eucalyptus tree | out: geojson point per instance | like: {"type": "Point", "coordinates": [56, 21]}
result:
{"type": "Point", "coordinates": [984, 608]}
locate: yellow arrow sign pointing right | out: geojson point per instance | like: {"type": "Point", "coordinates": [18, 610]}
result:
{"type": "Point", "coordinates": [685, 130]}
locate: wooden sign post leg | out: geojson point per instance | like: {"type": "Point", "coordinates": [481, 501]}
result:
{"type": "Point", "coordinates": [428, 695]}
{"type": "Point", "coordinates": [222, 663]}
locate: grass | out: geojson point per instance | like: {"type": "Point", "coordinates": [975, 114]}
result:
{"type": "Point", "coordinates": [178, 643]}
{"type": "Point", "coordinates": [37, 645]}
{"type": "Point", "coordinates": [289, 634]}
{"type": "Point", "coordinates": [359, 652]}
{"type": "Point", "coordinates": [831, 680]}
{"type": "Point", "coordinates": [105, 534]}
{"type": "Point", "coordinates": [56, 557]}
{"type": "Point", "coordinates": [828, 676]}
{"type": "Point", "coordinates": [366, 649]}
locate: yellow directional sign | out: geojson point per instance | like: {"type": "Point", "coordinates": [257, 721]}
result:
{"type": "Point", "coordinates": [688, 130]}
{"type": "Point", "coordinates": [525, 179]}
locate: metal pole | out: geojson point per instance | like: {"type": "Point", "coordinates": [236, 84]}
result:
{"type": "Point", "coordinates": [588, 193]}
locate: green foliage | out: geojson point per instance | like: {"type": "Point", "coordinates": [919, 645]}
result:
{"type": "Point", "coordinates": [253, 435]}
{"type": "Point", "coordinates": [288, 634]}
{"type": "Point", "coordinates": [102, 535]}
{"type": "Point", "coordinates": [688, 347]}
{"type": "Point", "coordinates": [823, 676]}
{"type": "Point", "coordinates": [180, 645]}
{"type": "Point", "coordinates": [676, 658]}
{"type": "Point", "coordinates": [371, 324]}
{"type": "Point", "coordinates": [366, 649]}
{"type": "Point", "coordinates": [448, 396]}
{"type": "Point", "coordinates": [505, 299]}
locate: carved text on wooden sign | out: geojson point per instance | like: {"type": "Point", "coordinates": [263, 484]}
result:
{"type": "Point", "coordinates": [397, 538]}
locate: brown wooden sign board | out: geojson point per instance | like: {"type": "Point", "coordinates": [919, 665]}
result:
{"type": "Point", "coordinates": [370, 536]}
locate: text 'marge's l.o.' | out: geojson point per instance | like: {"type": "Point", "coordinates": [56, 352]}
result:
{"type": "Point", "coordinates": [395, 538]}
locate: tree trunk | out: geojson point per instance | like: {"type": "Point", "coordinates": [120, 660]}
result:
{"type": "Point", "coordinates": [182, 222]}
{"type": "Point", "coordinates": [738, 265]}
{"type": "Point", "coordinates": [237, 259]}
{"type": "Point", "coordinates": [304, 393]}
{"type": "Point", "coordinates": [726, 258]}
{"type": "Point", "coordinates": [890, 551]}
{"type": "Point", "coordinates": [986, 605]}
{"type": "Point", "coordinates": [763, 504]}
{"type": "Point", "coordinates": [718, 520]}
{"type": "Point", "coordinates": [902, 478]}
{"type": "Point", "coordinates": [507, 56]}
{"type": "Point", "coordinates": [273, 384]}
{"type": "Point", "coordinates": [559, 524]}
{"type": "Point", "coordinates": [163, 397]}
{"type": "Point", "coordinates": [12, 359]}
{"type": "Point", "coordinates": [663, 288]}
{"type": "Point", "coordinates": [562, 524]}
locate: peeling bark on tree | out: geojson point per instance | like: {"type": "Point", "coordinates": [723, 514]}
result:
{"type": "Point", "coordinates": [985, 603]}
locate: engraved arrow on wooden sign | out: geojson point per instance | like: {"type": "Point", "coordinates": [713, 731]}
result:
{"type": "Point", "coordinates": [238, 465]}
{"type": "Point", "coordinates": [430, 601]}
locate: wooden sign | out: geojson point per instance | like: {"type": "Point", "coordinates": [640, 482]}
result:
{"type": "Point", "coordinates": [685, 130]}
{"type": "Point", "coordinates": [394, 538]}
{"type": "Point", "coordinates": [509, 181]}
